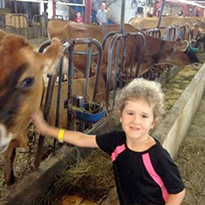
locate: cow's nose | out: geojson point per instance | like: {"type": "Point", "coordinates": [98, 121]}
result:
{"type": "Point", "coordinates": [3, 130]}
{"type": "Point", "coordinates": [3, 148]}
{"type": "Point", "coordinates": [5, 138]}
{"type": "Point", "coordinates": [193, 57]}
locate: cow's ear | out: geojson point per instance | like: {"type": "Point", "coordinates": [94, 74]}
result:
{"type": "Point", "coordinates": [52, 56]}
{"type": "Point", "coordinates": [181, 45]}
{"type": "Point", "coordinates": [12, 42]}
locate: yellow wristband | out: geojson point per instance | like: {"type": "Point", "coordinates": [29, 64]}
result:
{"type": "Point", "coordinates": [60, 135]}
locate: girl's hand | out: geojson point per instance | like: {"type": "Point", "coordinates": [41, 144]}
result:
{"type": "Point", "coordinates": [40, 125]}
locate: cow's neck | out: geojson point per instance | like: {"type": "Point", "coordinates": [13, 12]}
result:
{"type": "Point", "coordinates": [158, 56]}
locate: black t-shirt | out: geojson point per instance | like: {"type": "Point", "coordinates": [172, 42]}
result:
{"type": "Point", "coordinates": [145, 178]}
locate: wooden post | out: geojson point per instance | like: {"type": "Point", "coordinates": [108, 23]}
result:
{"type": "Point", "coordinates": [88, 6]}
{"type": "Point", "coordinates": [185, 9]}
{"type": "Point", "coordinates": [195, 9]}
{"type": "Point", "coordinates": [200, 12]}
{"type": "Point", "coordinates": [54, 8]}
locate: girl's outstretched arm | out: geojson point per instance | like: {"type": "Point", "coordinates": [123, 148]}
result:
{"type": "Point", "coordinates": [73, 137]}
{"type": "Point", "coordinates": [175, 199]}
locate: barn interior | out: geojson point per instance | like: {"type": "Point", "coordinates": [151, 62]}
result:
{"type": "Point", "coordinates": [43, 175]}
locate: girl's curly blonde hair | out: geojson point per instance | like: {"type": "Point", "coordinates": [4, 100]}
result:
{"type": "Point", "coordinates": [143, 89]}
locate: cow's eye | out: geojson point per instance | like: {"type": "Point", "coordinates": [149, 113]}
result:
{"type": "Point", "coordinates": [27, 82]}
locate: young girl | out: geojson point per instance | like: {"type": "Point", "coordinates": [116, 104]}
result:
{"type": "Point", "coordinates": [79, 18]}
{"type": "Point", "coordinates": [144, 171]}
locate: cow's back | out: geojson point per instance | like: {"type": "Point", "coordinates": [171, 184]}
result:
{"type": "Point", "coordinates": [70, 29]}
{"type": "Point", "coordinates": [165, 21]}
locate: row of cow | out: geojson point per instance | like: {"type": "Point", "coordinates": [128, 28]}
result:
{"type": "Point", "coordinates": [193, 27]}
{"type": "Point", "coordinates": [22, 69]}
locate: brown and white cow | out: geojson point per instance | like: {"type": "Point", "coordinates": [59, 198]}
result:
{"type": "Point", "coordinates": [21, 90]}
{"type": "Point", "coordinates": [173, 52]}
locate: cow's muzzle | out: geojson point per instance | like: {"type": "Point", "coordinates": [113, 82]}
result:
{"type": "Point", "coordinates": [5, 138]}
{"type": "Point", "coordinates": [192, 56]}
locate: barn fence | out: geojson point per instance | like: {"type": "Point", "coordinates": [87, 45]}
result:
{"type": "Point", "coordinates": [19, 24]}
{"type": "Point", "coordinates": [116, 41]}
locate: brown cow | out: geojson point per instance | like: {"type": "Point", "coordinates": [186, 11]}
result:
{"type": "Point", "coordinates": [29, 86]}
{"type": "Point", "coordinates": [191, 23]}
{"type": "Point", "coordinates": [21, 90]}
{"type": "Point", "coordinates": [173, 52]}
{"type": "Point", "coordinates": [141, 23]}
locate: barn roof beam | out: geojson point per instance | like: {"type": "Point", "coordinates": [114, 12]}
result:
{"type": "Point", "coordinates": [193, 3]}
{"type": "Point", "coordinates": [57, 2]}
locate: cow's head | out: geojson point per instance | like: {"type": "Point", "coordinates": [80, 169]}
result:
{"type": "Point", "coordinates": [21, 84]}
{"type": "Point", "coordinates": [178, 53]}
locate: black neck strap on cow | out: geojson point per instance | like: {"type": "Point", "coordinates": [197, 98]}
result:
{"type": "Point", "coordinates": [160, 52]}
{"type": "Point", "coordinates": [152, 71]}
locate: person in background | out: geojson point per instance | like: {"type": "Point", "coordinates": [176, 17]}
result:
{"type": "Point", "coordinates": [144, 171]}
{"type": "Point", "coordinates": [103, 15]}
{"type": "Point", "coordinates": [181, 13]}
{"type": "Point", "coordinates": [133, 4]}
{"type": "Point", "coordinates": [150, 11]}
{"type": "Point", "coordinates": [79, 18]}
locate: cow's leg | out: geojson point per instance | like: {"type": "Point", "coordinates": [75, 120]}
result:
{"type": "Point", "coordinates": [9, 156]}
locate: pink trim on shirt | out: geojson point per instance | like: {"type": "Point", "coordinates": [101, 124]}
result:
{"type": "Point", "coordinates": [148, 164]}
{"type": "Point", "coordinates": [117, 151]}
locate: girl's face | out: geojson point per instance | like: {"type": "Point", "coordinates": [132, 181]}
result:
{"type": "Point", "coordinates": [137, 119]}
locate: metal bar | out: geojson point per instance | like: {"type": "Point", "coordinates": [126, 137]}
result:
{"type": "Point", "coordinates": [15, 6]}
{"type": "Point", "coordinates": [161, 11]}
{"type": "Point", "coordinates": [70, 80]}
{"type": "Point", "coordinates": [84, 53]}
{"type": "Point", "coordinates": [141, 36]}
{"type": "Point", "coordinates": [110, 52]}
{"type": "Point", "coordinates": [99, 63]}
{"type": "Point", "coordinates": [132, 57]}
{"type": "Point", "coordinates": [87, 72]}
{"type": "Point", "coordinates": [122, 16]}
{"type": "Point", "coordinates": [111, 33]}
{"type": "Point", "coordinates": [123, 59]}
{"type": "Point", "coordinates": [116, 69]}
{"type": "Point", "coordinates": [58, 103]}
